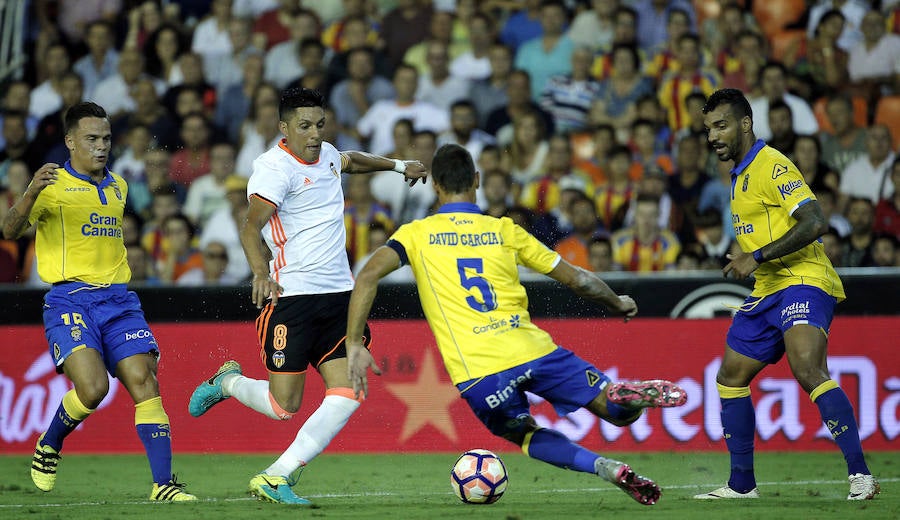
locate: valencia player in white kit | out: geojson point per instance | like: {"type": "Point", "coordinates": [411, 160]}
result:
{"type": "Point", "coordinates": [302, 282]}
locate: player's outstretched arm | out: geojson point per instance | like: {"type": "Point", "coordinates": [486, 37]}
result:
{"type": "Point", "coordinates": [15, 222]}
{"type": "Point", "coordinates": [364, 162]}
{"type": "Point", "coordinates": [588, 285]}
{"type": "Point", "coordinates": [359, 359]}
{"type": "Point", "coordinates": [811, 224]}
{"type": "Point", "coordinates": [264, 286]}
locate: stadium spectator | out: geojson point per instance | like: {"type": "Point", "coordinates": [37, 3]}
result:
{"type": "Point", "coordinates": [335, 36]}
{"type": "Point", "coordinates": [828, 201]}
{"type": "Point", "coordinates": [274, 25]}
{"type": "Point", "coordinates": [162, 52]}
{"type": "Point", "coordinates": [691, 77]}
{"type": "Point", "coordinates": [600, 255]}
{"type": "Point", "coordinates": [260, 131]}
{"type": "Point", "coordinates": [377, 125]}
{"type": "Point", "coordinates": [568, 97]}
{"type": "Point", "coordinates": [115, 93]}
{"type": "Point", "coordinates": [438, 86]}
{"type": "Point", "coordinates": [526, 151]}
{"type": "Point", "coordinates": [497, 187]}
{"type": "Point", "coordinates": [131, 163]}
{"type": "Point", "coordinates": [653, 15]}
{"type": "Point", "coordinates": [283, 63]}
{"type": "Point", "coordinates": [858, 247]}
{"type": "Point", "coordinates": [212, 272]}
{"type": "Point", "coordinates": [869, 175]}
{"type": "Point", "coordinates": [102, 59]}
{"type": "Point", "coordinates": [712, 241]}
{"type": "Point", "coordinates": [833, 244]}
{"type": "Point", "coordinates": [647, 155]}
{"type": "Point", "coordinates": [549, 54]}
{"type": "Point", "coordinates": [522, 25]}
{"type": "Point", "coordinates": [463, 129]}
{"type": "Point", "coordinates": [620, 90]}
{"type": "Point", "coordinates": [873, 64]}
{"type": "Point", "coordinates": [611, 198]}
{"type": "Point", "coordinates": [792, 303]}
{"type": "Point", "coordinates": [100, 313]}
{"type": "Point", "coordinates": [355, 37]}
{"type": "Point", "coordinates": [361, 210]}
{"type": "Point", "coordinates": [402, 27]}
{"type": "Point", "coordinates": [140, 265]}
{"type": "Point", "coordinates": [542, 194]}
{"type": "Point", "coordinates": [17, 148]}
{"type": "Point", "coordinates": [575, 248]}
{"type": "Point", "coordinates": [742, 70]}
{"type": "Point", "coordinates": [17, 97]}
{"type": "Point", "coordinates": [847, 141]}
{"type": "Point", "coordinates": [223, 225]}
{"type": "Point", "coordinates": [853, 12]}
{"type": "Point", "coordinates": [645, 246]}
{"type": "Point", "coordinates": [884, 251]}
{"type": "Point", "coordinates": [595, 165]}
{"type": "Point", "coordinates": [192, 160]}
{"type": "Point", "coordinates": [314, 280]}
{"type": "Point", "coordinates": [593, 28]}
{"type": "Point", "coordinates": [663, 61]}
{"type": "Point", "coordinates": [475, 63]}
{"type": "Point", "coordinates": [441, 32]}
{"type": "Point", "coordinates": [773, 86]}
{"type": "Point", "coordinates": [722, 35]}
{"type": "Point", "coordinates": [490, 94]}
{"type": "Point", "coordinates": [781, 124]}
{"type": "Point", "coordinates": [225, 70]}
{"type": "Point", "coordinates": [46, 97]}
{"type": "Point", "coordinates": [179, 255]}
{"type": "Point", "coordinates": [518, 94]}
{"type": "Point", "coordinates": [887, 212]}
{"type": "Point", "coordinates": [456, 179]}
{"type": "Point", "coordinates": [211, 38]}
{"type": "Point", "coordinates": [352, 97]}
{"type": "Point", "coordinates": [191, 66]}
{"type": "Point", "coordinates": [685, 186]}
{"type": "Point", "coordinates": [206, 193]}
{"type": "Point", "coordinates": [149, 112]}
{"type": "Point", "coordinates": [822, 69]}
{"type": "Point", "coordinates": [234, 104]}
{"type": "Point", "coordinates": [807, 156]}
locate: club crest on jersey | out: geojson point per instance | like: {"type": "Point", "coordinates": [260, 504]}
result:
{"type": "Point", "coordinates": [75, 332]}
{"type": "Point", "coordinates": [746, 182]}
{"type": "Point", "coordinates": [334, 170]}
{"type": "Point", "coordinates": [779, 170]}
{"type": "Point", "coordinates": [278, 359]}
{"type": "Point", "coordinates": [116, 189]}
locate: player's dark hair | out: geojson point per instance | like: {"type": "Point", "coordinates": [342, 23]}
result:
{"type": "Point", "coordinates": [732, 97]}
{"type": "Point", "coordinates": [453, 169]}
{"type": "Point", "coordinates": [80, 111]}
{"type": "Point", "coordinates": [298, 97]}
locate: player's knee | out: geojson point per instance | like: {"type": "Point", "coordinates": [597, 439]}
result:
{"type": "Point", "coordinates": [91, 393]}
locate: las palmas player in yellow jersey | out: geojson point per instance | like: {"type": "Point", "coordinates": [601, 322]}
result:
{"type": "Point", "coordinates": [465, 265]}
{"type": "Point", "coordinates": [778, 224]}
{"type": "Point", "coordinates": [93, 323]}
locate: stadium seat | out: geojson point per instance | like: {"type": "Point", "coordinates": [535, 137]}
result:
{"type": "Point", "coordinates": [887, 113]}
{"type": "Point", "coordinates": [860, 113]}
{"type": "Point", "coordinates": [786, 43]}
{"type": "Point", "coordinates": [774, 16]}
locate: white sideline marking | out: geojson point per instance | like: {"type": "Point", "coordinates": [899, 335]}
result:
{"type": "Point", "coordinates": [388, 493]}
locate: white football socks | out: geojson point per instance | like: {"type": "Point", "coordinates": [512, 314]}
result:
{"type": "Point", "coordinates": [253, 393]}
{"type": "Point", "coordinates": [315, 434]}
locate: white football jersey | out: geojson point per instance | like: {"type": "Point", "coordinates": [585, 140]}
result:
{"type": "Point", "coordinates": [306, 233]}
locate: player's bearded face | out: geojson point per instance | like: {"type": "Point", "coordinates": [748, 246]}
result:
{"type": "Point", "coordinates": [722, 132]}
{"type": "Point", "coordinates": [303, 132]}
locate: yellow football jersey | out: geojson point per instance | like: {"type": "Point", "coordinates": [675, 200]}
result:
{"type": "Point", "coordinates": [766, 188]}
{"type": "Point", "coordinates": [466, 269]}
{"type": "Point", "coordinates": [79, 233]}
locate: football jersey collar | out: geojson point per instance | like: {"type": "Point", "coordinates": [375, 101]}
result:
{"type": "Point", "coordinates": [754, 151]}
{"type": "Point", "coordinates": [459, 207]}
{"type": "Point", "coordinates": [106, 181]}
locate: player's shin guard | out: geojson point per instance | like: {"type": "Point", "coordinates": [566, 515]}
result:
{"type": "Point", "coordinates": [555, 448]}
{"type": "Point", "coordinates": [152, 426]}
{"type": "Point", "coordinates": [68, 416]}
{"type": "Point", "coordinates": [739, 427]}
{"type": "Point", "coordinates": [318, 431]}
{"type": "Point", "coordinates": [837, 414]}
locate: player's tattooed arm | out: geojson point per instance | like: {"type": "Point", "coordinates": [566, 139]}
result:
{"type": "Point", "coordinates": [591, 287]}
{"type": "Point", "coordinates": [811, 224]}
{"type": "Point", "coordinates": [14, 224]}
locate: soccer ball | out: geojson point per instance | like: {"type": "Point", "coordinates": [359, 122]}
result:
{"type": "Point", "coordinates": [478, 477]}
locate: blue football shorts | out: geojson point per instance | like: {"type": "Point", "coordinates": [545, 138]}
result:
{"type": "Point", "coordinates": [562, 378]}
{"type": "Point", "coordinates": [758, 331]}
{"type": "Point", "coordinates": [107, 319]}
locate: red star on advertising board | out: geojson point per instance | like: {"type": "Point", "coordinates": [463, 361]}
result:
{"type": "Point", "coordinates": [427, 400]}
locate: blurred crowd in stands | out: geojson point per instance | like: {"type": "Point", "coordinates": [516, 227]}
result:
{"type": "Point", "coordinates": [584, 117]}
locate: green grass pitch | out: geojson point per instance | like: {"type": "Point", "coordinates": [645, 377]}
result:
{"type": "Point", "coordinates": [411, 486]}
